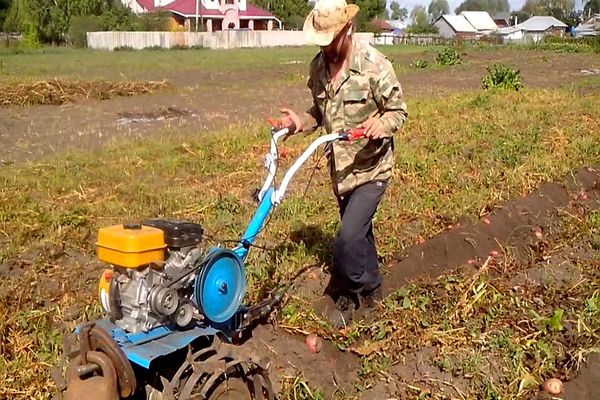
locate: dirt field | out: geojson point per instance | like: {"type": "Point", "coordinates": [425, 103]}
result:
{"type": "Point", "coordinates": [493, 227]}
{"type": "Point", "coordinates": [206, 101]}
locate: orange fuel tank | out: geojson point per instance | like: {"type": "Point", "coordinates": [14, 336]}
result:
{"type": "Point", "coordinates": [131, 245]}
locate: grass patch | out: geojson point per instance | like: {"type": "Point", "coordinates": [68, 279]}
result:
{"type": "Point", "coordinates": [456, 157]}
{"type": "Point", "coordinates": [50, 62]}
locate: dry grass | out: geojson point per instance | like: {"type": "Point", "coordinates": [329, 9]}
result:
{"type": "Point", "coordinates": [57, 92]}
{"type": "Point", "coordinates": [457, 156]}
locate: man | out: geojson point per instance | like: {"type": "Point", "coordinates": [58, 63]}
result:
{"type": "Point", "coordinates": [352, 85]}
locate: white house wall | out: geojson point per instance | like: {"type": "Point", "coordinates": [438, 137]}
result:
{"type": "Point", "coordinates": [211, 4]}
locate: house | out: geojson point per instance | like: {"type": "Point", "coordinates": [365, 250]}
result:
{"type": "Point", "coordinates": [481, 21]}
{"type": "Point", "coordinates": [534, 29]}
{"type": "Point", "coordinates": [214, 15]}
{"type": "Point", "coordinates": [502, 20]}
{"type": "Point", "coordinates": [455, 26]}
{"type": "Point", "coordinates": [538, 27]}
{"type": "Point", "coordinates": [382, 25]}
{"type": "Point", "coordinates": [591, 27]}
{"type": "Point", "coordinates": [512, 34]}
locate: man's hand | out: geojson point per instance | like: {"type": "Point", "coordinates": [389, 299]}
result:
{"type": "Point", "coordinates": [290, 120]}
{"type": "Point", "coordinates": [373, 128]}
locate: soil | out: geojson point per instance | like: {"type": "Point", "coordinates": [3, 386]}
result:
{"type": "Point", "coordinates": [516, 228]}
{"type": "Point", "coordinates": [209, 101]}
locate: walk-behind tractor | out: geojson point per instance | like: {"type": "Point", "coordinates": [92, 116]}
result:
{"type": "Point", "coordinates": [174, 319]}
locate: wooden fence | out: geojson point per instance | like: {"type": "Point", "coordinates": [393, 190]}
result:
{"type": "Point", "coordinates": [10, 39]}
{"type": "Point", "coordinates": [213, 40]}
{"type": "Point", "coordinates": [422, 40]}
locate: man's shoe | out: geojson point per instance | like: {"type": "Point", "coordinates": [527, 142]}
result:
{"type": "Point", "coordinates": [339, 312]}
{"type": "Point", "coordinates": [370, 299]}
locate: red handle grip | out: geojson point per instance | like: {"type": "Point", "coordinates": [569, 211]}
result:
{"type": "Point", "coordinates": [355, 134]}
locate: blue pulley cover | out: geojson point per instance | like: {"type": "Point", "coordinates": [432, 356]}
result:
{"type": "Point", "coordinates": [220, 287]}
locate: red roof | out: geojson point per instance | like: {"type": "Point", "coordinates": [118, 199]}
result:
{"type": "Point", "coordinates": [382, 24]}
{"type": "Point", "coordinates": [188, 7]}
{"type": "Point", "coordinates": [253, 11]}
{"type": "Point", "coordinates": [146, 4]}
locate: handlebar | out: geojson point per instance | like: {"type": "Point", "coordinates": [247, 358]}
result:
{"type": "Point", "coordinates": [270, 196]}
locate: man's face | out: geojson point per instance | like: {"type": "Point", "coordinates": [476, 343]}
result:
{"type": "Point", "coordinates": [335, 49]}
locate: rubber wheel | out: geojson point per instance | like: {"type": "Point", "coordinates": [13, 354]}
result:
{"type": "Point", "coordinates": [231, 389]}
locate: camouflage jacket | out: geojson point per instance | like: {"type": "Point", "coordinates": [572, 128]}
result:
{"type": "Point", "coordinates": [367, 87]}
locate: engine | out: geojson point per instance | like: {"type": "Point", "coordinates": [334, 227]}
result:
{"type": "Point", "coordinates": [160, 275]}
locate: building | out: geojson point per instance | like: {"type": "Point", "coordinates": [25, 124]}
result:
{"type": "Point", "coordinates": [502, 20]}
{"type": "Point", "coordinates": [535, 29]}
{"type": "Point", "coordinates": [512, 34]}
{"type": "Point", "coordinates": [213, 15]}
{"type": "Point", "coordinates": [591, 27]}
{"type": "Point", "coordinates": [481, 21]}
{"type": "Point", "coordinates": [455, 26]}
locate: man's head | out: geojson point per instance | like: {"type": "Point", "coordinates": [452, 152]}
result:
{"type": "Point", "coordinates": [329, 24]}
{"type": "Point", "coordinates": [340, 46]}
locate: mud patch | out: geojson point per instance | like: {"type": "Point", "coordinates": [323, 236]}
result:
{"type": "Point", "coordinates": [330, 370]}
{"type": "Point", "coordinates": [162, 114]}
{"type": "Point", "coordinates": [585, 386]}
{"type": "Point", "coordinates": [516, 228]}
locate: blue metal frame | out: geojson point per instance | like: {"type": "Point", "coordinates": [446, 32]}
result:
{"type": "Point", "coordinates": [256, 224]}
{"type": "Point", "coordinates": [144, 347]}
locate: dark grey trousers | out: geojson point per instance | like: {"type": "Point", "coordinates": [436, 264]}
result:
{"type": "Point", "coordinates": [355, 261]}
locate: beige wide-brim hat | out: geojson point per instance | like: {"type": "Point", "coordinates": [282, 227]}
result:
{"type": "Point", "coordinates": [327, 19]}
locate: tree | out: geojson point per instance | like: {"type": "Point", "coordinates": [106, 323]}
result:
{"type": "Point", "coordinates": [291, 12]}
{"type": "Point", "coordinates": [437, 8]}
{"type": "Point", "coordinates": [559, 9]}
{"type": "Point", "coordinates": [420, 21]}
{"type": "Point", "coordinates": [369, 9]}
{"type": "Point", "coordinates": [491, 6]}
{"type": "Point", "coordinates": [591, 7]}
{"type": "Point", "coordinates": [4, 7]}
{"type": "Point", "coordinates": [398, 12]}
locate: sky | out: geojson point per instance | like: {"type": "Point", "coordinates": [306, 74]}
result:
{"type": "Point", "coordinates": [410, 4]}
{"type": "Point", "coordinates": [514, 4]}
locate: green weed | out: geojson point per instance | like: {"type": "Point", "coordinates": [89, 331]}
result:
{"type": "Point", "coordinates": [448, 56]}
{"type": "Point", "coordinates": [502, 77]}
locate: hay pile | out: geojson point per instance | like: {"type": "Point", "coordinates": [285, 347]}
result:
{"type": "Point", "coordinates": [57, 92]}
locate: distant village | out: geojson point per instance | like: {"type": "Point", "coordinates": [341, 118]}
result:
{"type": "Point", "coordinates": [221, 15]}
{"type": "Point", "coordinates": [480, 24]}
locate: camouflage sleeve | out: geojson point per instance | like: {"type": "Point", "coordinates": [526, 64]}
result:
{"type": "Point", "coordinates": [312, 118]}
{"type": "Point", "coordinates": [388, 94]}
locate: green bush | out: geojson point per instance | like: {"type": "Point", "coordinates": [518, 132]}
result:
{"type": "Point", "coordinates": [448, 56]}
{"type": "Point", "coordinates": [502, 77]}
{"type": "Point", "coordinates": [420, 64]}
{"type": "Point", "coordinates": [569, 44]}
{"type": "Point", "coordinates": [80, 26]}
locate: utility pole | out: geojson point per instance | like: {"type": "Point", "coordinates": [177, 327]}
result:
{"type": "Point", "coordinates": [197, 7]}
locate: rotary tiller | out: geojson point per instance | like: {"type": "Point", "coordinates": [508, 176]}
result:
{"type": "Point", "coordinates": [173, 312]}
